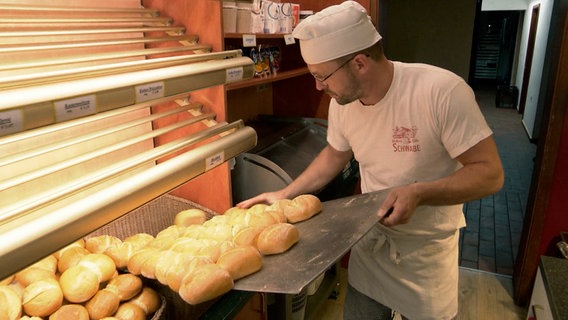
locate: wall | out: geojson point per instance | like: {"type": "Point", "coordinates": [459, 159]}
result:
{"type": "Point", "coordinates": [434, 32]}
{"type": "Point", "coordinates": [531, 106]}
{"type": "Point", "coordinates": [493, 5]}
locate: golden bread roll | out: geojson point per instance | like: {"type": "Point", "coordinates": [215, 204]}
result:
{"type": "Point", "coordinates": [139, 240]}
{"type": "Point", "coordinates": [206, 282]}
{"type": "Point", "coordinates": [42, 298]}
{"type": "Point", "coordinates": [302, 208]}
{"type": "Point", "coordinates": [79, 243]}
{"type": "Point", "coordinates": [148, 268]}
{"type": "Point", "coordinates": [215, 220]}
{"type": "Point", "coordinates": [234, 212]}
{"type": "Point", "coordinates": [241, 261]}
{"type": "Point", "coordinates": [194, 231]}
{"type": "Point", "coordinates": [277, 213]}
{"type": "Point", "coordinates": [101, 264]}
{"type": "Point", "coordinates": [103, 304]}
{"type": "Point", "coordinates": [125, 285]}
{"type": "Point", "coordinates": [163, 242]}
{"type": "Point", "coordinates": [136, 261]}
{"type": "Point", "coordinates": [18, 288]}
{"type": "Point", "coordinates": [130, 311]}
{"type": "Point", "coordinates": [101, 243]}
{"type": "Point", "coordinates": [79, 284]}
{"type": "Point", "coordinates": [188, 217]}
{"type": "Point", "coordinates": [70, 257]}
{"type": "Point", "coordinates": [171, 231]}
{"type": "Point", "coordinates": [121, 253]}
{"type": "Point", "coordinates": [277, 238]}
{"type": "Point", "coordinates": [70, 312]}
{"type": "Point", "coordinates": [10, 304]}
{"type": "Point", "coordinates": [29, 275]}
{"type": "Point", "coordinates": [259, 219]}
{"type": "Point", "coordinates": [164, 263]}
{"type": "Point", "coordinates": [148, 300]}
{"type": "Point", "coordinates": [247, 236]}
{"type": "Point", "coordinates": [258, 208]}
{"type": "Point", "coordinates": [181, 266]}
{"type": "Point", "coordinates": [48, 263]}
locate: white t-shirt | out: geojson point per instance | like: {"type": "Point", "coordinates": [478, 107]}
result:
{"type": "Point", "coordinates": [428, 117]}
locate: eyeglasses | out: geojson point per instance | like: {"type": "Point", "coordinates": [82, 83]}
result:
{"type": "Point", "coordinates": [322, 80]}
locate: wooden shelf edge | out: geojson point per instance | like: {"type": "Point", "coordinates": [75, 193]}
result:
{"type": "Point", "coordinates": [258, 81]}
{"type": "Point", "coordinates": [232, 35]}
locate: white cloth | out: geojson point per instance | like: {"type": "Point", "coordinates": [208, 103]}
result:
{"type": "Point", "coordinates": [428, 117]}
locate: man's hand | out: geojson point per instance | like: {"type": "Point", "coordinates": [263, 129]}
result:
{"type": "Point", "coordinates": [398, 206]}
{"type": "Point", "coordinates": [266, 198]}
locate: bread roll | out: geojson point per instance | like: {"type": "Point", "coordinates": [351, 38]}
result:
{"type": "Point", "coordinates": [79, 284]}
{"type": "Point", "coordinates": [122, 253]}
{"type": "Point", "coordinates": [100, 244]}
{"type": "Point", "coordinates": [29, 275]}
{"type": "Point", "coordinates": [48, 263]}
{"type": "Point", "coordinates": [70, 257]}
{"type": "Point", "coordinates": [181, 266]}
{"type": "Point", "coordinates": [10, 304]}
{"type": "Point", "coordinates": [70, 312]}
{"type": "Point", "coordinates": [148, 300]}
{"type": "Point", "coordinates": [130, 311]}
{"type": "Point", "coordinates": [125, 285]}
{"type": "Point", "coordinates": [102, 265]}
{"type": "Point", "coordinates": [259, 219]}
{"type": "Point", "coordinates": [171, 231]}
{"type": "Point", "coordinates": [103, 304]}
{"type": "Point", "coordinates": [277, 238]}
{"type": "Point", "coordinates": [42, 298]}
{"type": "Point", "coordinates": [241, 261]}
{"type": "Point", "coordinates": [302, 208]}
{"type": "Point", "coordinates": [247, 236]}
{"type": "Point", "coordinates": [139, 240]}
{"type": "Point", "coordinates": [6, 281]}
{"type": "Point", "coordinates": [205, 283]}
{"type": "Point", "coordinates": [188, 217]}
{"type": "Point", "coordinates": [164, 263]}
{"type": "Point", "coordinates": [277, 213]}
{"type": "Point", "coordinates": [135, 262]}
{"type": "Point", "coordinates": [79, 243]}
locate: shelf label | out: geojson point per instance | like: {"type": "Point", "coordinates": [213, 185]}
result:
{"type": "Point", "coordinates": [75, 108]}
{"type": "Point", "coordinates": [249, 40]}
{"type": "Point", "coordinates": [234, 74]}
{"type": "Point", "coordinates": [11, 121]}
{"type": "Point", "coordinates": [214, 160]}
{"type": "Point", "coordinates": [149, 91]}
{"type": "Point", "coordinates": [289, 39]}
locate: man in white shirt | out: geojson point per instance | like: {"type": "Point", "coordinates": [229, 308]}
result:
{"type": "Point", "coordinates": [415, 129]}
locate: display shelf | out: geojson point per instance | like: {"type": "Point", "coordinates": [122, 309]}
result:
{"type": "Point", "coordinates": [257, 35]}
{"type": "Point", "coordinates": [259, 81]}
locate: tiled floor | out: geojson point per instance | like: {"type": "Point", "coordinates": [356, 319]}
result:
{"type": "Point", "coordinates": [494, 224]}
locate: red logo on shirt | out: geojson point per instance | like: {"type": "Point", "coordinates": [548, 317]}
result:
{"type": "Point", "coordinates": [404, 139]}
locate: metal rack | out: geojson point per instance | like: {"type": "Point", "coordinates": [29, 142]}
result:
{"type": "Point", "coordinates": [79, 130]}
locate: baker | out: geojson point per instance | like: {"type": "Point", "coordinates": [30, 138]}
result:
{"type": "Point", "coordinates": [415, 129]}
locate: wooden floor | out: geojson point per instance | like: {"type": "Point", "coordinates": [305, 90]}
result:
{"type": "Point", "coordinates": [482, 295]}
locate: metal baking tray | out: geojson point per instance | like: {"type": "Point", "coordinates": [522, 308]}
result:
{"type": "Point", "coordinates": [324, 239]}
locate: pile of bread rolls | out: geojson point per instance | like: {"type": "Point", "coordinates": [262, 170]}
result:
{"type": "Point", "coordinates": [99, 278]}
{"type": "Point", "coordinates": [75, 283]}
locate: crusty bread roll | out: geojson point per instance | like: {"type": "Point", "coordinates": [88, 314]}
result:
{"type": "Point", "coordinates": [102, 265]}
{"type": "Point", "coordinates": [103, 304]}
{"type": "Point", "coordinates": [101, 243]}
{"type": "Point", "coordinates": [259, 219]}
{"type": "Point", "coordinates": [31, 274]}
{"type": "Point", "coordinates": [130, 311]}
{"type": "Point", "coordinates": [166, 260]}
{"type": "Point", "coordinates": [48, 263]}
{"type": "Point", "coordinates": [148, 300]}
{"type": "Point", "coordinates": [42, 298]}
{"type": "Point", "coordinates": [241, 261]}
{"type": "Point", "coordinates": [139, 240]}
{"type": "Point", "coordinates": [70, 312]}
{"type": "Point", "coordinates": [205, 283]}
{"type": "Point", "coordinates": [277, 238]}
{"type": "Point", "coordinates": [136, 261]}
{"type": "Point", "coordinates": [79, 243]}
{"type": "Point", "coordinates": [181, 266]}
{"type": "Point", "coordinates": [188, 217]}
{"type": "Point", "coordinates": [247, 236]}
{"type": "Point", "coordinates": [121, 253]}
{"type": "Point", "coordinates": [10, 304]}
{"type": "Point", "coordinates": [70, 257]}
{"type": "Point", "coordinates": [125, 285]}
{"type": "Point", "coordinates": [9, 279]}
{"type": "Point", "coordinates": [302, 208]}
{"type": "Point", "coordinates": [171, 231]}
{"type": "Point", "coordinates": [277, 213]}
{"type": "Point", "coordinates": [79, 284]}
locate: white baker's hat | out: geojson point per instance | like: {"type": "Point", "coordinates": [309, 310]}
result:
{"type": "Point", "coordinates": [334, 32]}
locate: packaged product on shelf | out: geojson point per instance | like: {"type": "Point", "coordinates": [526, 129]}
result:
{"type": "Point", "coordinates": [286, 19]}
{"type": "Point", "coordinates": [271, 14]}
{"type": "Point", "coordinates": [275, 60]}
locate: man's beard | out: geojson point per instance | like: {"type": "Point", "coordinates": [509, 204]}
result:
{"type": "Point", "coordinates": [351, 92]}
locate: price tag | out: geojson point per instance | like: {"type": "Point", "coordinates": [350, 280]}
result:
{"type": "Point", "coordinates": [75, 108]}
{"type": "Point", "coordinates": [249, 40]}
{"type": "Point", "coordinates": [149, 91]}
{"type": "Point", "coordinates": [11, 121]}
{"type": "Point", "coordinates": [214, 160]}
{"type": "Point", "coordinates": [234, 74]}
{"type": "Point", "coordinates": [289, 39]}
